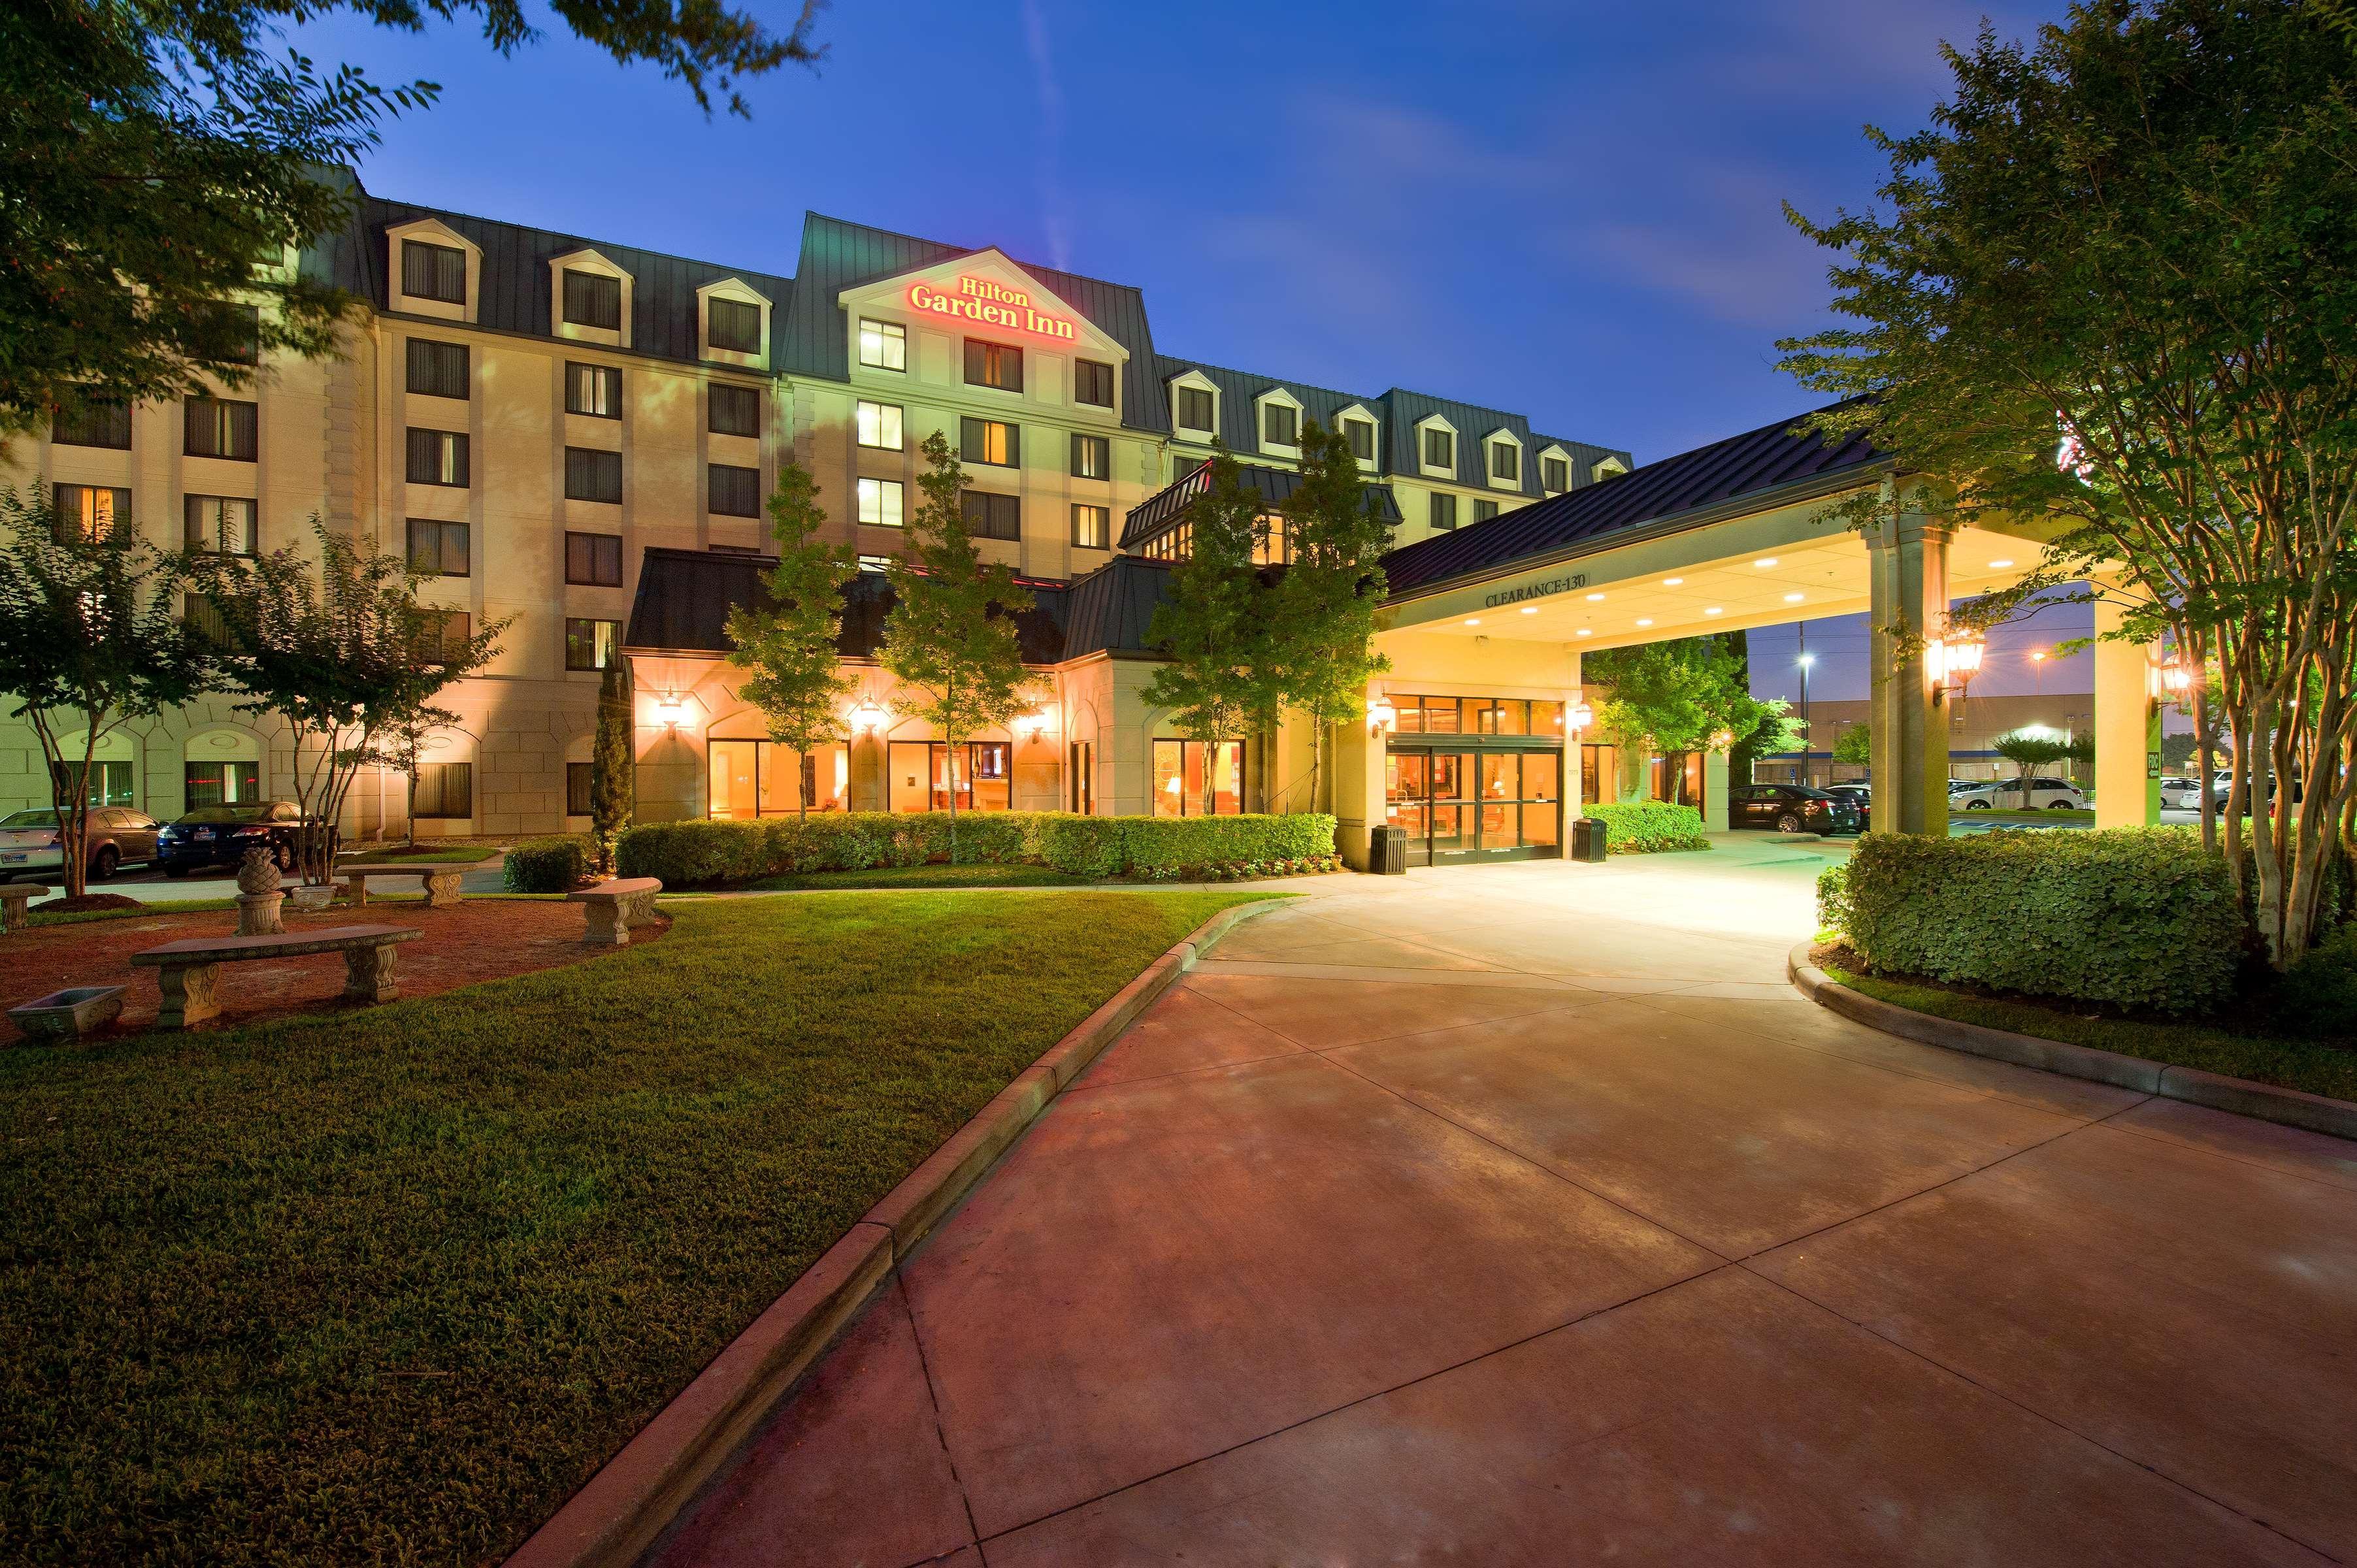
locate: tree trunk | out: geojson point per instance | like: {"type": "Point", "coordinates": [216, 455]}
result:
{"type": "Point", "coordinates": [949, 763]}
{"type": "Point", "coordinates": [2205, 759]}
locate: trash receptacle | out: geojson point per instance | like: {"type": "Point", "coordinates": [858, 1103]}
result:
{"type": "Point", "coordinates": [1387, 852]}
{"type": "Point", "coordinates": [1587, 839]}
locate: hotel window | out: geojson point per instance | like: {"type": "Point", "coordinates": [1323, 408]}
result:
{"type": "Point", "coordinates": [921, 779]}
{"type": "Point", "coordinates": [437, 549]}
{"type": "Point", "coordinates": [437, 457]}
{"type": "Point", "coordinates": [93, 425]}
{"type": "Point", "coordinates": [877, 564]}
{"type": "Point", "coordinates": [433, 272]}
{"type": "Point", "coordinates": [991, 517]}
{"type": "Point", "coordinates": [591, 644]}
{"type": "Point", "coordinates": [85, 511]}
{"type": "Point", "coordinates": [579, 779]}
{"type": "Point", "coordinates": [880, 503]}
{"type": "Point", "coordinates": [762, 778]}
{"type": "Point", "coordinates": [220, 525]}
{"type": "Point", "coordinates": [1439, 449]}
{"type": "Point", "coordinates": [592, 475]}
{"type": "Point", "coordinates": [444, 633]}
{"type": "Point", "coordinates": [996, 365]}
{"type": "Point", "coordinates": [1505, 463]}
{"type": "Point", "coordinates": [1444, 510]}
{"type": "Point", "coordinates": [1554, 475]}
{"type": "Point", "coordinates": [883, 344]}
{"type": "Point", "coordinates": [991, 441]}
{"type": "Point", "coordinates": [1092, 527]}
{"type": "Point", "coordinates": [1195, 409]}
{"type": "Point", "coordinates": [225, 783]}
{"type": "Point", "coordinates": [1280, 424]}
{"type": "Point", "coordinates": [736, 492]}
{"type": "Point", "coordinates": [733, 325]}
{"type": "Point", "coordinates": [878, 425]}
{"type": "Point", "coordinates": [1198, 777]}
{"type": "Point", "coordinates": [245, 331]}
{"type": "Point", "coordinates": [1362, 433]}
{"type": "Point", "coordinates": [733, 411]}
{"type": "Point", "coordinates": [444, 790]}
{"type": "Point", "coordinates": [1484, 511]}
{"type": "Point", "coordinates": [217, 428]}
{"type": "Point", "coordinates": [1092, 383]}
{"type": "Point", "coordinates": [1092, 457]}
{"type": "Point", "coordinates": [438, 370]}
{"type": "Point", "coordinates": [594, 560]}
{"type": "Point", "coordinates": [595, 390]}
{"type": "Point", "coordinates": [593, 299]}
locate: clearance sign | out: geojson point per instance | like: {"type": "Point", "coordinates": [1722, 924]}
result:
{"type": "Point", "coordinates": [979, 299]}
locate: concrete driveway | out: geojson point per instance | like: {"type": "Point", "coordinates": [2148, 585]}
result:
{"type": "Point", "coordinates": [1522, 1215]}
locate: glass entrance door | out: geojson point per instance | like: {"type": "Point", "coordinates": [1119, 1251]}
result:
{"type": "Point", "coordinates": [1457, 806]}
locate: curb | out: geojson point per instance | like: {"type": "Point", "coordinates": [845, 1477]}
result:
{"type": "Point", "coordinates": [2261, 1102]}
{"type": "Point", "coordinates": [620, 1511]}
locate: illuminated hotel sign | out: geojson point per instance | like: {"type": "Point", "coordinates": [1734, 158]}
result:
{"type": "Point", "coordinates": [992, 305]}
{"type": "Point", "coordinates": [1537, 590]}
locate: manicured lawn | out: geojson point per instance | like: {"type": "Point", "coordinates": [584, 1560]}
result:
{"type": "Point", "coordinates": [456, 854]}
{"type": "Point", "coordinates": [2313, 1066]}
{"type": "Point", "coordinates": [924, 877]}
{"type": "Point", "coordinates": [385, 1286]}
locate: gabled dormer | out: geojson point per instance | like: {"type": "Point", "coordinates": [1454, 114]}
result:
{"type": "Point", "coordinates": [1364, 431]}
{"type": "Point", "coordinates": [431, 269]}
{"type": "Point", "coordinates": [1435, 448]}
{"type": "Point", "coordinates": [733, 324]}
{"type": "Point", "coordinates": [1554, 469]}
{"type": "Point", "coordinates": [1276, 423]}
{"type": "Point", "coordinates": [1503, 460]}
{"type": "Point", "coordinates": [1194, 406]}
{"type": "Point", "coordinates": [979, 324]}
{"type": "Point", "coordinates": [590, 299]}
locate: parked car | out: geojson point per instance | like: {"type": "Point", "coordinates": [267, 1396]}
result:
{"type": "Point", "coordinates": [2185, 794]}
{"type": "Point", "coordinates": [1858, 795]}
{"type": "Point", "coordinates": [31, 842]}
{"type": "Point", "coordinates": [1791, 808]}
{"type": "Point", "coordinates": [2004, 794]}
{"type": "Point", "coordinates": [219, 835]}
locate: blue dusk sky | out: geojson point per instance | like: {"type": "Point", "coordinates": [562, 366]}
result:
{"type": "Point", "coordinates": [1571, 210]}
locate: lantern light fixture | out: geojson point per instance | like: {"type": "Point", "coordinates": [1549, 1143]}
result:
{"type": "Point", "coordinates": [867, 717]}
{"type": "Point", "coordinates": [1580, 716]}
{"type": "Point", "coordinates": [1953, 659]}
{"type": "Point", "coordinates": [669, 708]}
{"type": "Point", "coordinates": [1380, 716]}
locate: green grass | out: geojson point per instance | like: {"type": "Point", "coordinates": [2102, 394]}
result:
{"type": "Point", "coordinates": [386, 1286]}
{"type": "Point", "coordinates": [462, 855]}
{"type": "Point", "coordinates": [944, 875]}
{"type": "Point", "coordinates": [2311, 1066]}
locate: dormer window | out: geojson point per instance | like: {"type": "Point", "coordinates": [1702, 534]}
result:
{"type": "Point", "coordinates": [1440, 448]}
{"type": "Point", "coordinates": [1280, 424]}
{"type": "Point", "coordinates": [1608, 468]}
{"type": "Point", "coordinates": [1361, 435]}
{"type": "Point", "coordinates": [1505, 463]}
{"type": "Point", "coordinates": [734, 326]}
{"type": "Point", "coordinates": [1554, 475]}
{"type": "Point", "coordinates": [433, 272]}
{"type": "Point", "coordinates": [593, 299]}
{"type": "Point", "coordinates": [1196, 410]}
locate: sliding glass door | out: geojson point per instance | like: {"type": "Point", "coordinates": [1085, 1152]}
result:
{"type": "Point", "coordinates": [1458, 805]}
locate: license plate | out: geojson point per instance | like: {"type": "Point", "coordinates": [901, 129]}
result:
{"type": "Point", "coordinates": [14, 858]}
{"type": "Point", "coordinates": [204, 833]}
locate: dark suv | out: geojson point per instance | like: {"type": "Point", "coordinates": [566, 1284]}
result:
{"type": "Point", "coordinates": [1791, 808]}
{"type": "Point", "coordinates": [219, 835]}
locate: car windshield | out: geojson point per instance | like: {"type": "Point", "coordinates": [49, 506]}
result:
{"type": "Point", "coordinates": [1807, 793]}
{"type": "Point", "coordinates": [37, 817]}
{"type": "Point", "coordinates": [216, 816]}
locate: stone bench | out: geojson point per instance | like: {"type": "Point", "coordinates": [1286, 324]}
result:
{"type": "Point", "coordinates": [15, 900]}
{"type": "Point", "coordinates": [441, 881]}
{"type": "Point", "coordinates": [189, 971]}
{"type": "Point", "coordinates": [615, 907]}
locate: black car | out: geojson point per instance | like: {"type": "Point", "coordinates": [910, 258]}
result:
{"type": "Point", "coordinates": [219, 835]}
{"type": "Point", "coordinates": [1792, 809]}
{"type": "Point", "coordinates": [1858, 795]}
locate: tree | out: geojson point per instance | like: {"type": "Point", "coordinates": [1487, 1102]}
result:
{"type": "Point", "coordinates": [951, 635]}
{"type": "Point", "coordinates": [162, 160]}
{"type": "Point", "coordinates": [1855, 747]}
{"type": "Point", "coordinates": [1218, 627]}
{"type": "Point", "coordinates": [345, 655]}
{"type": "Point", "coordinates": [2029, 750]}
{"type": "Point", "coordinates": [1684, 695]}
{"type": "Point", "coordinates": [1323, 612]}
{"type": "Point", "coordinates": [797, 678]}
{"type": "Point", "coordinates": [2114, 297]}
{"type": "Point", "coordinates": [613, 762]}
{"type": "Point", "coordinates": [89, 635]}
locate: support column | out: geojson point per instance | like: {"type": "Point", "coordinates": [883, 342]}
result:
{"type": "Point", "coordinates": [1574, 806]}
{"type": "Point", "coordinates": [1356, 757]}
{"type": "Point", "coordinates": [1907, 564]}
{"type": "Point", "coordinates": [2128, 730]}
{"type": "Point", "coordinates": [1714, 791]}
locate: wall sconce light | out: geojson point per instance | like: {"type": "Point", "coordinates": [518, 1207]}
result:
{"type": "Point", "coordinates": [867, 718]}
{"type": "Point", "coordinates": [670, 709]}
{"type": "Point", "coordinates": [1380, 716]}
{"type": "Point", "coordinates": [1953, 660]}
{"type": "Point", "coordinates": [2170, 679]}
{"type": "Point", "coordinates": [1580, 716]}
{"type": "Point", "coordinates": [1034, 725]}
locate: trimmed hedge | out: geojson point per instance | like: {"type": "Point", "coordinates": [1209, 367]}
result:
{"type": "Point", "coordinates": [713, 853]}
{"type": "Point", "coordinates": [1648, 827]}
{"type": "Point", "coordinates": [2133, 916]}
{"type": "Point", "coordinates": [548, 866]}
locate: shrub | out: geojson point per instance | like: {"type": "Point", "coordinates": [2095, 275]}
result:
{"type": "Point", "coordinates": [695, 853]}
{"type": "Point", "coordinates": [1082, 846]}
{"type": "Point", "coordinates": [1169, 847]}
{"type": "Point", "coordinates": [548, 866]}
{"type": "Point", "coordinates": [2132, 916]}
{"type": "Point", "coordinates": [1648, 827]}
{"type": "Point", "coordinates": [2317, 997]}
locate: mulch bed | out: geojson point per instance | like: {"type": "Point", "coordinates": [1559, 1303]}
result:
{"type": "Point", "coordinates": [480, 938]}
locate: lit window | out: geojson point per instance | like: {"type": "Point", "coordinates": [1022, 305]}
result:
{"type": "Point", "coordinates": [1092, 457]}
{"type": "Point", "coordinates": [879, 425]}
{"type": "Point", "coordinates": [880, 503]}
{"type": "Point", "coordinates": [1195, 778]}
{"type": "Point", "coordinates": [220, 525]}
{"type": "Point", "coordinates": [592, 644]}
{"type": "Point", "coordinates": [437, 457]}
{"type": "Point", "coordinates": [991, 441]}
{"type": "Point", "coordinates": [1092, 527]}
{"type": "Point", "coordinates": [883, 344]}
{"type": "Point", "coordinates": [593, 390]}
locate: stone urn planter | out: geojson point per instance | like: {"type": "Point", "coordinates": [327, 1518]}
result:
{"type": "Point", "coordinates": [65, 1015]}
{"type": "Point", "coordinates": [258, 896]}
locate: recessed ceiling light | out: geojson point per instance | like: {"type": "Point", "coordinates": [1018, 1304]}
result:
{"type": "Point", "coordinates": [2000, 565]}
{"type": "Point", "coordinates": [1714, 611]}
{"type": "Point", "coordinates": [1472, 620]}
{"type": "Point", "coordinates": [1794, 598]}
{"type": "Point", "coordinates": [1644, 621]}
{"type": "Point", "coordinates": [1530, 609]}
{"type": "Point", "coordinates": [1765, 561]}
{"type": "Point", "coordinates": [1671, 582]}
{"type": "Point", "coordinates": [1583, 631]}
{"type": "Point", "coordinates": [1596, 598]}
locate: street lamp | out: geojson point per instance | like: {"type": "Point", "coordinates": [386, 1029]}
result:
{"type": "Point", "coordinates": [1808, 734]}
